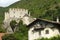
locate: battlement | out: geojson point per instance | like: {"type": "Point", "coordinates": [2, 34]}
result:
{"type": "Point", "coordinates": [17, 9]}
{"type": "Point", "coordinates": [15, 13]}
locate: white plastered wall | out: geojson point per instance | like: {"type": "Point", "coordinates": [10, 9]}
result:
{"type": "Point", "coordinates": [35, 35]}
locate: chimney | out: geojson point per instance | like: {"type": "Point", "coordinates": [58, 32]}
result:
{"type": "Point", "coordinates": [57, 20]}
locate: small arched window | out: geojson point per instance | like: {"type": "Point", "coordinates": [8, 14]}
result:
{"type": "Point", "coordinates": [47, 32]}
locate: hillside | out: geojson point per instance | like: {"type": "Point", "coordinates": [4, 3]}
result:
{"type": "Point", "coordinates": [46, 9]}
{"type": "Point", "coordinates": [37, 8]}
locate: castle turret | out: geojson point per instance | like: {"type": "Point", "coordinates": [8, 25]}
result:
{"type": "Point", "coordinates": [6, 15]}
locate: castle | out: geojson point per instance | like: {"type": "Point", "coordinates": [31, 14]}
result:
{"type": "Point", "coordinates": [17, 15]}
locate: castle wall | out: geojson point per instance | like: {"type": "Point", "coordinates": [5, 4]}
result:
{"type": "Point", "coordinates": [6, 16]}
{"type": "Point", "coordinates": [16, 14]}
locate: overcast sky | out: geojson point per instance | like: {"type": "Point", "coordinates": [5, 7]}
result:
{"type": "Point", "coordinates": [5, 3]}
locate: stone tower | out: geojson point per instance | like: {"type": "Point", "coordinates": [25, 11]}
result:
{"type": "Point", "coordinates": [17, 15]}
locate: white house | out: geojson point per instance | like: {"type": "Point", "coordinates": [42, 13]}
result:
{"type": "Point", "coordinates": [43, 28]}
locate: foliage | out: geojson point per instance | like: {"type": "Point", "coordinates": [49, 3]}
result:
{"type": "Point", "coordinates": [9, 37]}
{"type": "Point", "coordinates": [2, 30]}
{"type": "Point", "coordinates": [13, 24]}
{"type": "Point", "coordinates": [53, 38]}
{"type": "Point", "coordinates": [22, 33]}
{"type": "Point", "coordinates": [52, 14]}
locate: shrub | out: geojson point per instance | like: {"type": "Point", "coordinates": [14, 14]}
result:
{"type": "Point", "coordinates": [53, 38]}
{"type": "Point", "coordinates": [9, 37]}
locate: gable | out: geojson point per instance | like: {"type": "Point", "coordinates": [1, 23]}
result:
{"type": "Point", "coordinates": [43, 24]}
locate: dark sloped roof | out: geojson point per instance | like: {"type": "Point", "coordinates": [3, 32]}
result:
{"type": "Point", "coordinates": [44, 20]}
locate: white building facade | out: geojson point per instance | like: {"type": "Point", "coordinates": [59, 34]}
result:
{"type": "Point", "coordinates": [39, 29]}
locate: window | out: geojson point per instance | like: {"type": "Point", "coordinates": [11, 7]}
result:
{"type": "Point", "coordinates": [47, 31]}
{"type": "Point", "coordinates": [33, 31]}
{"type": "Point", "coordinates": [39, 32]}
{"type": "Point", "coordinates": [41, 25]}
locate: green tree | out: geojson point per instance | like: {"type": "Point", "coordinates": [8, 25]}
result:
{"type": "Point", "coordinates": [9, 37]}
{"type": "Point", "coordinates": [22, 34]}
{"type": "Point", "coordinates": [13, 24]}
{"type": "Point", "coordinates": [53, 38]}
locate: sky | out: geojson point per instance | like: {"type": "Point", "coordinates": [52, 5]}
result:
{"type": "Point", "coordinates": [5, 3]}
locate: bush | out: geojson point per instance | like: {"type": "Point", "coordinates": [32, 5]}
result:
{"type": "Point", "coordinates": [2, 30]}
{"type": "Point", "coordinates": [22, 33]}
{"type": "Point", "coordinates": [53, 38]}
{"type": "Point", "coordinates": [9, 37]}
{"type": "Point", "coordinates": [13, 24]}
